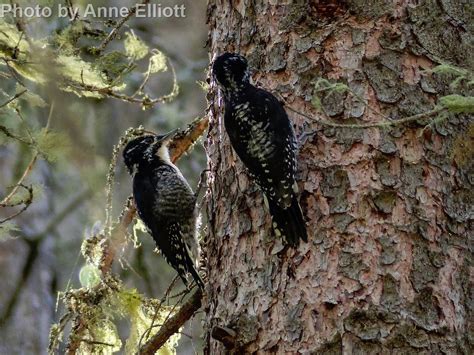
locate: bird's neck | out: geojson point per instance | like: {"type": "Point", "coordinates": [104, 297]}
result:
{"type": "Point", "coordinates": [235, 89]}
{"type": "Point", "coordinates": [145, 166]}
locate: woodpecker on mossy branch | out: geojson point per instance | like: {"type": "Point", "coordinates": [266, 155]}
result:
{"type": "Point", "coordinates": [261, 134]}
{"type": "Point", "coordinates": [165, 202]}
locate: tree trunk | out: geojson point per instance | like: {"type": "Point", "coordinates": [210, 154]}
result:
{"type": "Point", "coordinates": [388, 268]}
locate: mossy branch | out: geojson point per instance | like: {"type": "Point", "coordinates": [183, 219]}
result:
{"type": "Point", "coordinates": [118, 26]}
{"type": "Point", "coordinates": [173, 324]}
{"type": "Point", "coordinates": [116, 235]}
{"type": "Point", "coordinates": [5, 202]}
{"type": "Point", "coordinates": [185, 139]}
{"type": "Point", "coordinates": [382, 124]}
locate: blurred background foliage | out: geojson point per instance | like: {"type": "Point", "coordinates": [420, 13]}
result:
{"type": "Point", "coordinates": [65, 100]}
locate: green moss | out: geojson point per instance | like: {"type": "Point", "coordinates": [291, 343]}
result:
{"type": "Point", "coordinates": [66, 39]}
{"type": "Point", "coordinates": [458, 103]}
{"type": "Point", "coordinates": [77, 73]}
{"type": "Point", "coordinates": [7, 229]}
{"type": "Point", "coordinates": [157, 62]}
{"type": "Point", "coordinates": [113, 64]}
{"type": "Point", "coordinates": [52, 145]}
{"type": "Point", "coordinates": [135, 48]}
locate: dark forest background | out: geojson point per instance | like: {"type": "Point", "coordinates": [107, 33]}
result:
{"type": "Point", "coordinates": [40, 248]}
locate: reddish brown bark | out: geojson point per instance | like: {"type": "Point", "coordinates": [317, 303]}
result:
{"type": "Point", "coordinates": [388, 268]}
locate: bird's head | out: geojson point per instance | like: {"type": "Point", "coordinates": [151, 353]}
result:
{"type": "Point", "coordinates": [231, 70]}
{"type": "Point", "coordinates": [145, 149]}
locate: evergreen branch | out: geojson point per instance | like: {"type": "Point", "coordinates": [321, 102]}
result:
{"type": "Point", "coordinates": [108, 91]}
{"type": "Point", "coordinates": [117, 238]}
{"type": "Point", "coordinates": [382, 124]}
{"type": "Point", "coordinates": [6, 132]}
{"type": "Point", "coordinates": [114, 32]}
{"type": "Point", "coordinates": [30, 165]}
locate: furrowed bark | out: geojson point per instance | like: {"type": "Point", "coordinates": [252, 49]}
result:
{"type": "Point", "coordinates": [388, 268]}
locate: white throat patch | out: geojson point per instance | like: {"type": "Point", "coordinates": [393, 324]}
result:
{"type": "Point", "coordinates": [164, 154]}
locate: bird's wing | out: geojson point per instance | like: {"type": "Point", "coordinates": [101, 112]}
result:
{"type": "Point", "coordinates": [269, 152]}
{"type": "Point", "coordinates": [164, 212]}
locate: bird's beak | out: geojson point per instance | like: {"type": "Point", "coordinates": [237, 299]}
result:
{"type": "Point", "coordinates": [167, 136]}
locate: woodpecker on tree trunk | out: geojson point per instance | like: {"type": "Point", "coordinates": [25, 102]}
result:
{"type": "Point", "coordinates": [165, 202]}
{"type": "Point", "coordinates": [261, 134]}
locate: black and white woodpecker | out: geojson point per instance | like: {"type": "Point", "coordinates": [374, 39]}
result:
{"type": "Point", "coordinates": [261, 134]}
{"type": "Point", "coordinates": [165, 202]}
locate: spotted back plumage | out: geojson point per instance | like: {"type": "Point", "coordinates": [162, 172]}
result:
{"type": "Point", "coordinates": [262, 136]}
{"type": "Point", "coordinates": [165, 203]}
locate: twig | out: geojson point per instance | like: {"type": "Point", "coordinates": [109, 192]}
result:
{"type": "Point", "coordinates": [11, 135]}
{"type": "Point", "coordinates": [170, 287]}
{"type": "Point", "coordinates": [419, 116]}
{"type": "Point", "coordinates": [26, 202]}
{"type": "Point", "coordinates": [70, 10]}
{"type": "Point", "coordinates": [54, 337]}
{"type": "Point", "coordinates": [13, 71]}
{"type": "Point", "coordinates": [108, 91]}
{"type": "Point", "coordinates": [146, 333]}
{"type": "Point", "coordinates": [119, 25]}
{"type": "Point", "coordinates": [173, 324]}
{"type": "Point", "coordinates": [13, 98]}
{"type": "Point", "coordinates": [30, 165]}
{"type": "Point", "coordinates": [78, 327]}
{"type": "Point", "coordinates": [94, 342]}
{"type": "Point", "coordinates": [19, 184]}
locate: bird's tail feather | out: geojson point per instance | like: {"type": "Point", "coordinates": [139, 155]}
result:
{"type": "Point", "coordinates": [289, 222]}
{"type": "Point", "coordinates": [195, 275]}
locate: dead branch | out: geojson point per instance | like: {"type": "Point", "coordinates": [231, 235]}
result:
{"type": "Point", "coordinates": [117, 238]}
{"type": "Point", "coordinates": [183, 141]}
{"type": "Point", "coordinates": [19, 184]}
{"type": "Point", "coordinates": [13, 98]}
{"type": "Point", "coordinates": [26, 202]}
{"type": "Point", "coordinates": [173, 324]}
{"type": "Point", "coordinates": [5, 202]}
